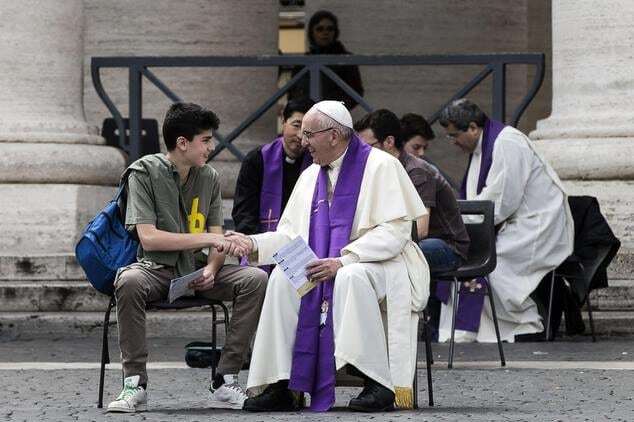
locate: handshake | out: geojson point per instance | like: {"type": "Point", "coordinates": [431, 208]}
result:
{"type": "Point", "coordinates": [234, 244]}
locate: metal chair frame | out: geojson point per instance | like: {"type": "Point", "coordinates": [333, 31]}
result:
{"type": "Point", "coordinates": [163, 305]}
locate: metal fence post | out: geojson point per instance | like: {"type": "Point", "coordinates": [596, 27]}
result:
{"type": "Point", "coordinates": [136, 110]}
{"type": "Point", "coordinates": [499, 91]}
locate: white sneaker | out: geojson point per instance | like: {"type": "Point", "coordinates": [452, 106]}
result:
{"type": "Point", "coordinates": [133, 398]}
{"type": "Point", "coordinates": [229, 395]}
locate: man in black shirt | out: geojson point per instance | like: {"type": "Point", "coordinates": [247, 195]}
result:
{"type": "Point", "coordinates": [268, 175]}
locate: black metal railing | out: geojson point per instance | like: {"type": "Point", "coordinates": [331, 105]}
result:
{"type": "Point", "coordinates": [314, 66]}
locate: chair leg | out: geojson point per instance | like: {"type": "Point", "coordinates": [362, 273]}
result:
{"type": "Point", "coordinates": [427, 333]}
{"type": "Point", "coordinates": [453, 321]}
{"type": "Point", "coordinates": [589, 305]}
{"type": "Point", "coordinates": [213, 340]}
{"type": "Point", "coordinates": [550, 305]}
{"type": "Point", "coordinates": [495, 323]}
{"type": "Point", "coordinates": [428, 359]}
{"type": "Point", "coordinates": [226, 318]}
{"type": "Point", "coordinates": [415, 383]}
{"type": "Point", "coordinates": [105, 355]}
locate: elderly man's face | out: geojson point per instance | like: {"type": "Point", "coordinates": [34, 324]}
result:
{"type": "Point", "coordinates": [319, 141]}
{"type": "Point", "coordinates": [466, 140]}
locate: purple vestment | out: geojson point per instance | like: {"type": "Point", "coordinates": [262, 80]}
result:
{"type": "Point", "coordinates": [272, 188]}
{"type": "Point", "coordinates": [470, 305]}
{"type": "Point", "coordinates": [272, 183]}
{"type": "Point", "coordinates": [313, 366]}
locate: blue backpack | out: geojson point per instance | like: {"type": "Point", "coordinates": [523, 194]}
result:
{"type": "Point", "coordinates": [106, 245]}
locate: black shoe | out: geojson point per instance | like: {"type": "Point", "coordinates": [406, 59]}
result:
{"type": "Point", "coordinates": [275, 398]}
{"type": "Point", "coordinates": [373, 398]}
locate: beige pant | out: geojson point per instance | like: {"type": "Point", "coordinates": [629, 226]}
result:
{"type": "Point", "coordinates": [138, 284]}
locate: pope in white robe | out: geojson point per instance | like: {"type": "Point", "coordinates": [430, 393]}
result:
{"type": "Point", "coordinates": [534, 225]}
{"type": "Point", "coordinates": [382, 280]}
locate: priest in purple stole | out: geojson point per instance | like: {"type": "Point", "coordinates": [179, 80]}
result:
{"type": "Point", "coordinates": [534, 228]}
{"type": "Point", "coordinates": [269, 173]}
{"type": "Point", "coordinates": [359, 227]}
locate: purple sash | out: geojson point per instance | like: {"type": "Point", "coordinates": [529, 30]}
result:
{"type": "Point", "coordinates": [313, 366]}
{"type": "Point", "coordinates": [272, 187]}
{"type": "Point", "coordinates": [470, 305]}
{"type": "Point", "coordinates": [272, 183]}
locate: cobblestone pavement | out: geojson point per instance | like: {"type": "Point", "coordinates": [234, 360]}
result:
{"type": "Point", "coordinates": [476, 390]}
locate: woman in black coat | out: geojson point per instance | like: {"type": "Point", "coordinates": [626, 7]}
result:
{"type": "Point", "coordinates": [323, 37]}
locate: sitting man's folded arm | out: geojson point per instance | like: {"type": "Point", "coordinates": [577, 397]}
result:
{"type": "Point", "coordinates": [153, 239]}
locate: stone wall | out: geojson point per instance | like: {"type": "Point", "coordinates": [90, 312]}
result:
{"type": "Point", "coordinates": [191, 28]}
{"type": "Point", "coordinates": [441, 27]}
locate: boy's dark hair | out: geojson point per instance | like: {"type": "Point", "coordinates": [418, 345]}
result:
{"type": "Point", "coordinates": [187, 120]}
{"type": "Point", "coordinates": [415, 124]}
{"type": "Point", "coordinates": [298, 105]}
{"type": "Point", "coordinates": [383, 123]}
{"type": "Point", "coordinates": [462, 112]}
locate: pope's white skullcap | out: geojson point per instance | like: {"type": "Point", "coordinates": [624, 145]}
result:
{"type": "Point", "coordinates": [336, 110]}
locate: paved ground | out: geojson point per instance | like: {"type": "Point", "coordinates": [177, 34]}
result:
{"type": "Point", "coordinates": [561, 381]}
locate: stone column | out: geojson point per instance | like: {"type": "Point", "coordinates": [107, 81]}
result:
{"type": "Point", "coordinates": [55, 172]}
{"type": "Point", "coordinates": [589, 137]}
{"type": "Point", "coordinates": [191, 28]}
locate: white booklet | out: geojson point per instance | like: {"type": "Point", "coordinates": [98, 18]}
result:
{"type": "Point", "coordinates": [292, 260]}
{"type": "Point", "coordinates": [179, 287]}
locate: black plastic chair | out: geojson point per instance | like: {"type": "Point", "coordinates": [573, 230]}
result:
{"type": "Point", "coordinates": [578, 273]}
{"type": "Point", "coordinates": [480, 263]}
{"type": "Point", "coordinates": [183, 303]}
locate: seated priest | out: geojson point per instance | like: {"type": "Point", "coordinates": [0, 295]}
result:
{"type": "Point", "coordinates": [269, 173]}
{"type": "Point", "coordinates": [354, 206]}
{"type": "Point", "coordinates": [533, 224]}
{"type": "Point", "coordinates": [441, 234]}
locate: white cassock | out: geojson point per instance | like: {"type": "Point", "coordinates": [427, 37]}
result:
{"type": "Point", "coordinates": [536, 236]}
{"type": "Point", "coordinates": [383, 283]}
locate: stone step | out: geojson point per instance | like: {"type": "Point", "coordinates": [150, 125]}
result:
{"type": "Point", "coordinates": [195, 324]}
{"type": "Point", "coordinates": [40, 267]}
{"type": "Point", "coordinates": [614, 323]}
{"type": "Point", "coordinates": [618, 296]}
{"type": "Point", "coordinates": [50, 296]}
{"type": "Point", "coordinates": [65, 267]}
{"type": "Point", "coordinates": [79, 295]}
{"type": "Point", "coordinates": [33, 325]}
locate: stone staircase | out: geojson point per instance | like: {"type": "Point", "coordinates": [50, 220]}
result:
{"type": "Point", "coordinates": [49, 296]}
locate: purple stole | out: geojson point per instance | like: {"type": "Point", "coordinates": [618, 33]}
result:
{"type": "Point", "coordinates": [272, 183]}
{"type": "Point", "coordinates": [470, 305]}
{"type": "Point", "coordinates": [313, 367]}
{"type": "Point", "coordinates": [272, 187]}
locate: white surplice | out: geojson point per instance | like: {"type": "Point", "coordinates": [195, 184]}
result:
{"type": "Point", "coordinates": [383, 283]}
{"type": "Point", "coordinates": [536, 235]}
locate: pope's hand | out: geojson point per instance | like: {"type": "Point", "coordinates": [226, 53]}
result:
{"type": "Point", "coordinates": [323, 269]}
{"type": "Point", "coordinates": [237, 244]}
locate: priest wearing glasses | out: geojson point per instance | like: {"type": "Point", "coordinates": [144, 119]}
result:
{"type": "Point", "coordinates": [534, 227]}
{"type": "Point", "coordinates": [354, 207]}
{"type": "Point", "coordinates": [269, 173]}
